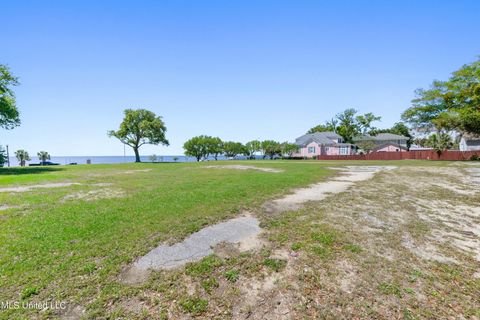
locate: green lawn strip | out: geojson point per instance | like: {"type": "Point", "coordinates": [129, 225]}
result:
{"type": "Point", "coordinates": [69, 249]}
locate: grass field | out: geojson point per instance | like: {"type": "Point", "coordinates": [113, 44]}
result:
{"type": "Point", "coordinates": [70, 242]}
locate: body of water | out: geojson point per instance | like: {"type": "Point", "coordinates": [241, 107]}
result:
{"type": "Point", "coordinates": [110, 159]}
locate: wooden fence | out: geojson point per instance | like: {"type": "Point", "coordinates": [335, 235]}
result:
{"type": "Point", "coordinates": [448, 155]}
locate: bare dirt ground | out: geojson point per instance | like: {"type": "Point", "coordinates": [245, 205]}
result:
{"type": "Point", "coordinates": [38, 186]}
{"type": "Point", "coordinates": [404, 244]}
{"type": "Point", "coordinates": [241, 167]}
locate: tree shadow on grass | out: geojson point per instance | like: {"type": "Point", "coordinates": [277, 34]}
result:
{"type": "Point", "coordinates": [27, 170]}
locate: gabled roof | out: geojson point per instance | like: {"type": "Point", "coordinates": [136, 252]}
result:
{"type": "Point", "coordinates": [389, 136]}
{"type": "Point", "coordinates": [318, 137]}
{"type": "Point", "coordinates": [396, 145]}
{"type": "Point", "coordinates": [380, 137]}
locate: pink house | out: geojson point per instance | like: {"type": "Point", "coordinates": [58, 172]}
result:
{"type": "Point", "coordinates": [322, 143]}
{"type": "Point", "coordinates": [390, 147]}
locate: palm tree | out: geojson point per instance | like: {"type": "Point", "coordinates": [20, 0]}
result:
{"type": "Point", "coordinates": [22, 157]}
{"type": "Point", "coordinates": [440, 142]}
{"type": "Point", "coordinates": [43, 156]}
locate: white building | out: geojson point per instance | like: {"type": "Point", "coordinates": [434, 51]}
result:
{"type": "Point", "coordinates": [470, 143]}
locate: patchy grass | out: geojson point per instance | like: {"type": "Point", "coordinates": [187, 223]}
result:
{"type": "Point", "coordinates": [232, 275]}
{"type": "Point", "coordinates": [194, 305]}
{"type": "Point", "coordinates": [343, 257]}
{"type": "Point", "coordinates": [274, 264]}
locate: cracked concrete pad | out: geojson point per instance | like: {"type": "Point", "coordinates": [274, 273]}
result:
{"type": "Point", "coordinates": [38, 186]}
{"type": "Point", "coordinates": [200, 244]}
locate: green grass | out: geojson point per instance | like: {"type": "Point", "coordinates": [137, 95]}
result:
{"type": "Point", "coordinates": [73, 250]}
{"type": "Point", "coordinates": [66, 249]}
{"type": "Point", "coordinates": [194, 305]}
{"type": "Point", "coordinates": [232, 275]}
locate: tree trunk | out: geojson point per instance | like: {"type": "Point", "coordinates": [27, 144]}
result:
{"type": "Point", "coordinates": [137, 155]}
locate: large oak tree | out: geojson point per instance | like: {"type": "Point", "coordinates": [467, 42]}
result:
{"type": "Point", "coordinates": [452, 105]}
{"type": "Point", "coordinates": [140, 127]}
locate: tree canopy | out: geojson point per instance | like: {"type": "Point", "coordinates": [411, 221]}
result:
{"type": "Point", "coordinates": [22, 157]}
{"type": "Point", "coordinates": [140, 127]}
{"type": "Point", "coordinates": [232, 149]}
{"type": "Point", "coordinates": [9, 115]}
{"type": "Point", "coordinates": [251, 148]}
{"type": "Point", "coordinates": [451, 105]}
{"type": "Point", "coordinates": [43, 156]}
{"type": "Point", "coordinates": [197, 147]}
{"type": "Point", "coordinates": [348, 124]}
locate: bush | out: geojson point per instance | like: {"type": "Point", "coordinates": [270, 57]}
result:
{"type": "Point", "coordinates": [474, 157]}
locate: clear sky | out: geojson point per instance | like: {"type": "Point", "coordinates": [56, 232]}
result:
{"type": "Point", "coordinates": [240, 70]}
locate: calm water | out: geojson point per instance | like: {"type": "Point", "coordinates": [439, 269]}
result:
{"type": "Point", "coordinates": [109, 159]}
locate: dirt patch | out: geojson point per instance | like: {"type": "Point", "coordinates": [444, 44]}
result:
{"type": "Point", "coordinates": [425, 251]}
{"type": "Point", "coordinates": [72, 312]}
{"type": "Point", "coordinates": [94, 195]}
{"type": "Point", "coordinates": [319, 191]}
{"type": "Point", "coordinates": [133, 275]}
{"type": "Point", "coordinates": [6, 207]}
{"type": "Point", "coordinates": [38, 186]}
{"type": "Point", "coordinates": [134, 171]}
{"type": "Point", "coordinates": [242, 167]}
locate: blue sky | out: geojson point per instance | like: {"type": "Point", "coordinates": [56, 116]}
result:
{"type": "Point", "coordinates": [240, 70]}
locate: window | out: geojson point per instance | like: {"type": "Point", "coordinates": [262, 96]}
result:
{"type": "Point", "coordinates": [344, 150]}
{"type": "Point", "coordinates": [311, 149]}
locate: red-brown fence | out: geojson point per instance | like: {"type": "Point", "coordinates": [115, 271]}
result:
{"type": "Point", "coordinates": [423, 154]}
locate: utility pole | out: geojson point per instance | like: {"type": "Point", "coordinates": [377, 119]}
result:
{"type": "Point", "coordinates": [8, 157]}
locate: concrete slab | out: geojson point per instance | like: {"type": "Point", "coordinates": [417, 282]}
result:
{"type": "Point", "coordinates": [200, 244]}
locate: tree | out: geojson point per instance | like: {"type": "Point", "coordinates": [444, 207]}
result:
{"type": "Point", "coordinates": [447, 106]}
{"type": "Point", "coordinates": [214, 146]}
{"type": "Point", "coordinates": [22, 157]}
{"type": "Point", "coordinates": [197, 147]}
{"type": "Point", "coordinates": [348, 127]}
{"type": "Point", "coordinates": [251, 148]}
{"type": "Point", "coordinates": [270, 148]}
{"type": "Point", "coordinates": [440, 142]}
{"type": "Point", "coordinates": [43, 156]}
{"type": "Point", "coordinates": [365, 122]}
{"type": "Point", "coordinates": [288, 149]}
{"type": "Point", "coordinates": [3, 156]}
{"type": "Point", "coordinates": [322, 128]}
{"type": "Point", "coordinates": [140, 127]}
{"type": "Point", "coordinates": [348, 124]}
{"type": "Point", "coordinates": [9, 115]}
{"type": "Point", "coordinates": [366, 145]}
{"type": "Point", "coordinates": [232, 149]}
{"type": "Point", "coordinates": [153, 158]}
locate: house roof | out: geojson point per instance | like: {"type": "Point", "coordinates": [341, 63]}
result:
{"type": "Point", "coordinates": [396, 145]}
{"type": "Point", "coordinates": [380, 137]}
{"type": "Point", "coordinates": [318, 137]}
{"type": "Point", "coordinates": [471, 140]}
